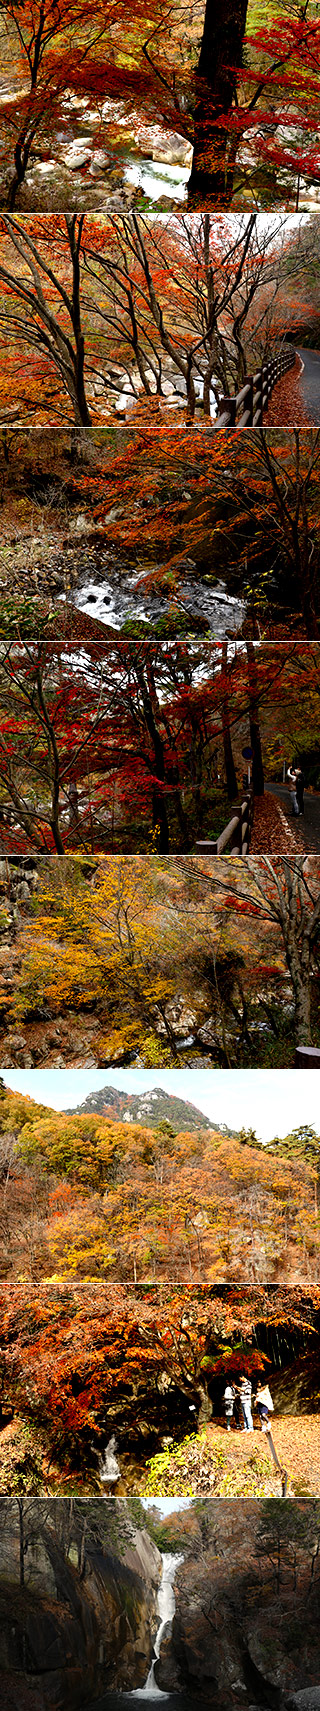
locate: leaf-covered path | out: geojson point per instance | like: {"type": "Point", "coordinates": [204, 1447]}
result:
{"type": "Point", "coordinates": [271, 834]}
{"type": "Point", "coordinates": [289, 405]}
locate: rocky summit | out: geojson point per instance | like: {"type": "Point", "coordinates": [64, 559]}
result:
{"type": "Point", "coordinates": [150, 1108]}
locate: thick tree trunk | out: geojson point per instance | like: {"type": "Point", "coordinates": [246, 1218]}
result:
{"type": "Point", "coordinates": [21, 161]}
{"type": "Point", "coordinates": [302, 1013]}
{"type": "Point", "coordinates": [205, 1408]}
{"type": "Point", "coordinates": [160, 819]}
{"type": "Point", "coordinates": [215, 147]}
{"type": "Point", "coordinates": [302, 1001]}
{"type": "Point", "coordinates": [159, 810]}
{"type": "Point", "coordinates": [299, 957]}
{"type": "Point", "coordinates": [221, 46]}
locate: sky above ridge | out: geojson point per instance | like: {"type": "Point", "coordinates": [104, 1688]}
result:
{"type": "Point", "coordinates": [270, 1101]}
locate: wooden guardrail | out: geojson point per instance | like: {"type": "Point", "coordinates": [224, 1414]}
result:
{"type": "Point", "coordinates": [247, 407]}
{"type": "Point", "coordinates": [236, 835]}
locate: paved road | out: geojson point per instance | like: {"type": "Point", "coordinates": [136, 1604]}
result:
{"type": "Point", "coordinates": [307, 826]}
{"type": "Point", "coordinates": [309, 383]}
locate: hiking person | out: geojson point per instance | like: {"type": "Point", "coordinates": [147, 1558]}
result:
{"type": "Point", "coordinates": [292, 779]}
{"type": "Point", "coordinates": [245, 1393]}
{"type": "Point", "coordinates": [264, 1405]}
{"type": "Point", "coordinates": [228, 1398]}
{"type": "Point", "coordinates": [236, 1409]}
{"type": "Point", "coordinates": [300, 786]}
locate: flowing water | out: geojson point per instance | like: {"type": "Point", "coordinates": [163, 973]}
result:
{"type": "Point", "coordinates": [158, 179]}
{"type": "Point", "coordinates": [113, 600]}
{"type": "Point", "coordinates": [109, 1466]}
{"type": "Point", "coordinates": [150, 1694]}
{"type": "Point", "coordinates": [124, 1702]}
{"type": "Point", "coordinates": [166, 1609]}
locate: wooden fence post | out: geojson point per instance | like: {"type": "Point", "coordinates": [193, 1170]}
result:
{"type": "Point", "coordinates": [307, 1057]}
{"type": "Point", "coordinates": [257, 389]}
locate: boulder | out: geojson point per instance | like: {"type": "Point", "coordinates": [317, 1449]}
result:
{"type": "Point", "coordinates": [307, 1700]}
{"type": "Point", "coordinates": [99, 163]}
{"type": "Point", "coordinates": [77, 155]}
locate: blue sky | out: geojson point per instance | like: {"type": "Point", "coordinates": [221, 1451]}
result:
{"type": "Point", "coordinates": [270, 1101]}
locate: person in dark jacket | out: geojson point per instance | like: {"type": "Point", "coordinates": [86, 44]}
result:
{"type": "Point", "coordinates": [245, 1393]}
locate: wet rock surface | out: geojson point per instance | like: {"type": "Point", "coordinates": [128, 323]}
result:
{"type": "Point", "coordinates": [81, 1618]}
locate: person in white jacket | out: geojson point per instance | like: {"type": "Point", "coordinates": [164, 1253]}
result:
{"type": "Point", "coordinates": [264, 1404]}
{"type": "Point", "coordinates": [229, 1396]}
{"type": "Point", "coordinates": [292, 781]}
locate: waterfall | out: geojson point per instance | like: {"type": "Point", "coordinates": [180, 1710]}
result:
{"type": "Point", "coordinates": [108, 1466]}
{"type": "Point", "coordinates": [166, 1607]}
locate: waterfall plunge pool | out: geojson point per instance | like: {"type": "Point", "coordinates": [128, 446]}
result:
{"type": "Point", "coordinates": [124, 1701]}
{"type": "Point", "coordinates": [151, 1695]}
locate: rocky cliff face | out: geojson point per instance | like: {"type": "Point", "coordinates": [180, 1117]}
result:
{"type": "Point", "coordinates": [237, 1641]}
{"type": "Point", "coordinates": [85, 1619]}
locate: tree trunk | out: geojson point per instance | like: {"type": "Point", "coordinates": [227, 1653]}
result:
{"type": "Point", "coordinates": [255, 738]}
{"type": "Point", "coordinates": [160, 819]}
{"type": "Point", "coordinates": [302, 1008]}
{"type": "Point", "coordinates": [21, 158]}
{"type": "Point", "coordinates": [298, 962]}
{"type": "Point", "coordinates": [21, 1540]}
{"type": "Point", "coordinates": [206, 1408]}
{"type": "Point", "coordinates": [230, 771]}
{"type": "Point", "coordinates": [159, 810]}
{"type": "Point", "coordinates": [84, 413]}
{"type": "Point", "coordinates": [221, 46]}
{"type": "Point", "coordinates": [215, 147]}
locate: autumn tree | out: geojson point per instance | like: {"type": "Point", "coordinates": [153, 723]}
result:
{"type": "Point", "coordinates": [285, 892]}
{"type": "Point", "coordinates": [219, 271]}
{"type": "Point", "coordinates": [142, 730]}
{"type": "Point", "coordinates": [78, 1356]}
{"type": "Point", "coordinates": [68, 294]}
{"type": "Point", "coordinates": [64, 49]}
{"type": "Point", "coordinates": [248, 506]}
{"type": "Point", "coordinates": [243, 93]}
{"type": "Point", "coordinates": [46, 305]}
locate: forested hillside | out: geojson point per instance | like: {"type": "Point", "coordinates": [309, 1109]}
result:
{"type": "Point", "coordinates": [158, 1108]}
{"type": "Point", "coordinates": [208, 960]}
{"type": "Point", "coordinates": [87, 1196]}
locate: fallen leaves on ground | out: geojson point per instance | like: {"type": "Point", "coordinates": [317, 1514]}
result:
{"type": "Point", "coordinates": [271, 833]}
{"type": "Point", "coordinates": [239, 1464]}
{"type": "Point", "coordinates": [286, 405]}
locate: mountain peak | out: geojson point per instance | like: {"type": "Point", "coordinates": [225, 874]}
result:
{"type": "Point", "coordinates": [152, 1107]}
